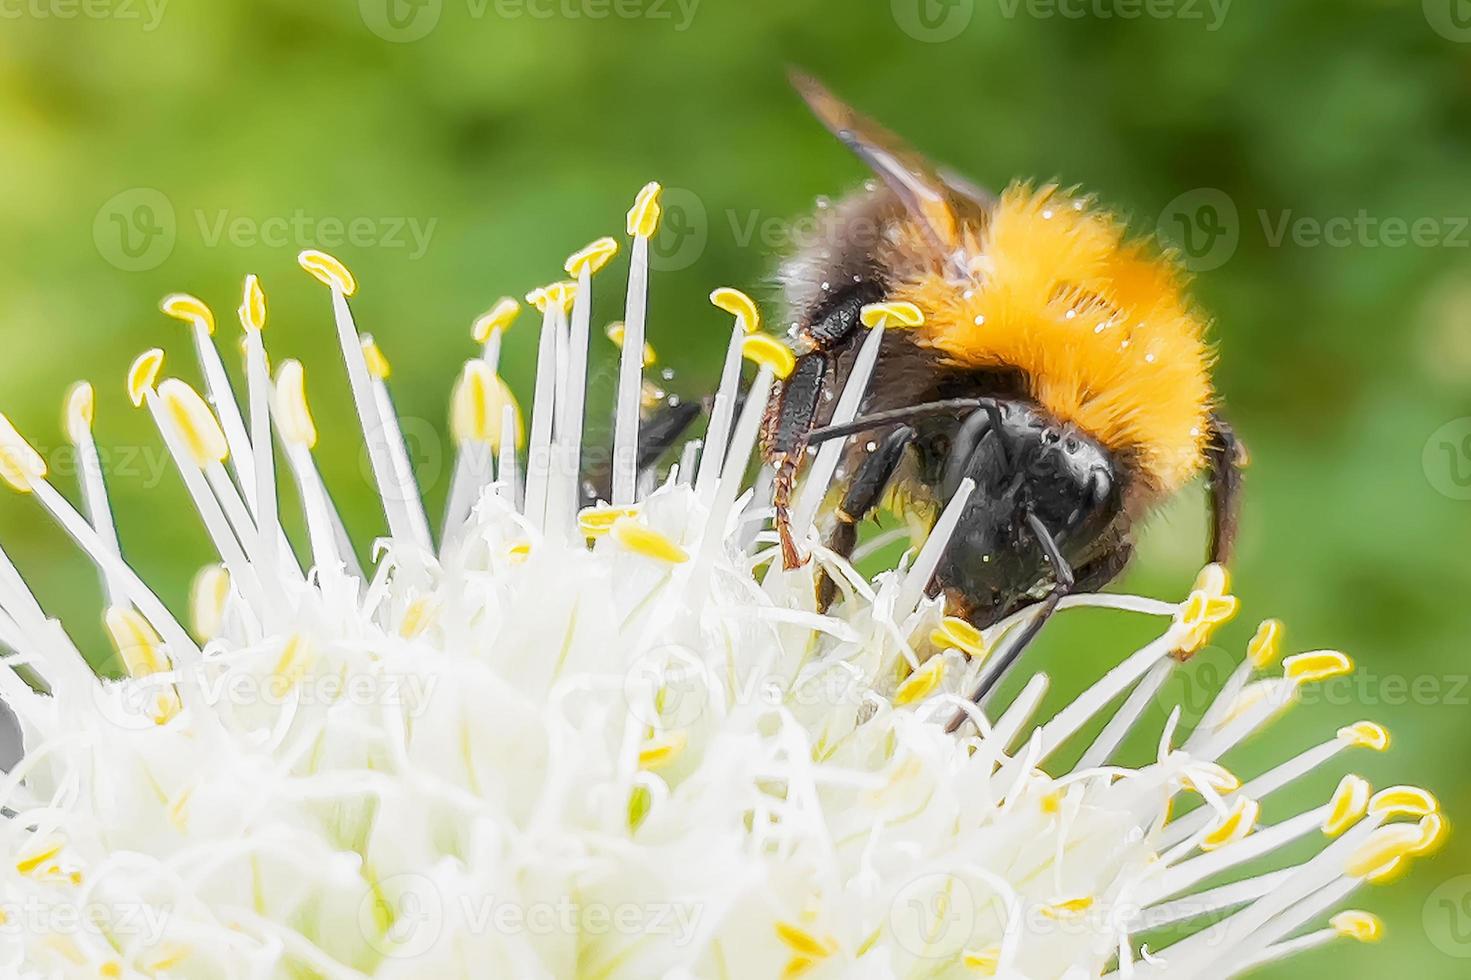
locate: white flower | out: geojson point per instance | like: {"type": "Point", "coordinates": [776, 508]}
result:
{"type": "Point", "coordinates": [620, 743]}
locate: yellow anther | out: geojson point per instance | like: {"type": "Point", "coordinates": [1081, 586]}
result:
{"type": "Point", "coordinates": [190, 309]}
{"type": "Point", "coordinates": [922, 683]}
{"type": "Point", "coordinates": [558, 294]}
{"type": "Point", "coordinates": [417, 617]}
{"type": "Point", "coordinates": [982, 962]}
{"type": "Point", "coordinates": [111, 969]}
{"type": "Point", "coordinates": [805, 943]}
{"type": "Point", "coordinates": [1349, 804]}
{"type": "Point", "coordinates": [891, 315]}
{"type": "Point", "coordinates": [738, 305]}
{"type": "Point", "coordinates": [769, 352]}
{"type": "Point", "coordinates": [955, 633]}
{"type": "Point", "coordinates": [38, 853]}
{"type": "Point", "coordinates": [1320, 665]}
{"type": "Point", "coordinates": [1235, 826]}
{"type": "Point", "coordinates": [1364, 927]}
{"type": "Point", "coordinates": [178, 810]}
{"type": "Point", "coordinates": [647, 542]}
{"type": "Point", "coordinates": [296, 657]}
{"type": "Point", "coordinates": [1208, 607]}
{"type": "Point", "coordinates": [595, 522]}
{"type": "Point", "coordinates": [1434, 828]}
{"type": "Point", "coordinates": [20, 465]}
{"type": "Point", "coordinates": [252, 310]}
{"type": "Point", "coordinates": [194, 421]}
{"type": "Point", "coordinates": [1404, 801]}
{"type": "Point", "coordinates": [293, 416]}
{"type": "Point", "coordinates": [477, 405]}
{"type": "Point", "coordinates": [1213, 776]}
{"type": "Point", "coordinates": [143, 375]}
{"type": "Point", "coordinates": [1365, 735]}
{"type": "Point", "coordinates": [136, 642]}
{"type": "Point", "coordinates": [519, 552]}
{"type": "Point", "coordinates": [1266, 645]}
{"type": "Point", "coordinates": [1214, 579]}
{"type": "Point", "coordinates": [497, 319]}
{"type": "Point", "coordinates": [170, 957]}
{"type": "Point", "coordinates": [378, 365]}
{"type": "Point", "coordinates": [1390, 872]}
{"type": "Point", "coordinates": [616, 332]}
{"type": "Point", "coordinates": [81, 408]}
{"type": "Point", "coordinates": [1067, 909]}
{"type": "Point", "coordinates": [1384, 847]}
{"type": "Point", "coordinates": [643, 217]}
{"type": "Point", "coordinates": [207, 598]}
{"type": "Point", "coordinates": [592, 258]}
{"type": "Point", "coordinates": [328, 270]}
{"type": "Point", "coordinates": [797, 967]}
{"type": "Point", "coordinates": [660, 751]}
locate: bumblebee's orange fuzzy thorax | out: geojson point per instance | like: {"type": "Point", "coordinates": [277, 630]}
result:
{"type": "Point", "coordinates": [1100, 327]}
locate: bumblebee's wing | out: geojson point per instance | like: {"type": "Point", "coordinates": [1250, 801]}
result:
{"type": "Point", "coordinates": [926, 192]}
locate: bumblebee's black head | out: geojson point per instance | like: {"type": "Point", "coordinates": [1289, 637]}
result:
{"type": "Point", "coordinates": [1022, 462]}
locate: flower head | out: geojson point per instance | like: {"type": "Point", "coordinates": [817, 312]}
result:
{"type": "Point", "coordinates": [615, 741]}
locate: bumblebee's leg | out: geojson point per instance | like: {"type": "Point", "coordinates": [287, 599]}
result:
{"type": "Point", "coordinates": [879, 420]}
{"type": "Point", "coordinates": [1064, 584]}
{"type": "Point", "coordinates": [863, 495]}
{"type": "Point", "coordinates": [799, 397]}
{"type": "Point", "coordinates": [1227, 458]}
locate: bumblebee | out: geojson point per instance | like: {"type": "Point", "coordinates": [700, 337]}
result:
{"type": "Point", "coordinates": [1060, 366]}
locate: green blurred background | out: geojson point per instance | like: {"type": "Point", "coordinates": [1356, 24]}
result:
{"type": "Point", "coordinates": [1312, 158]}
